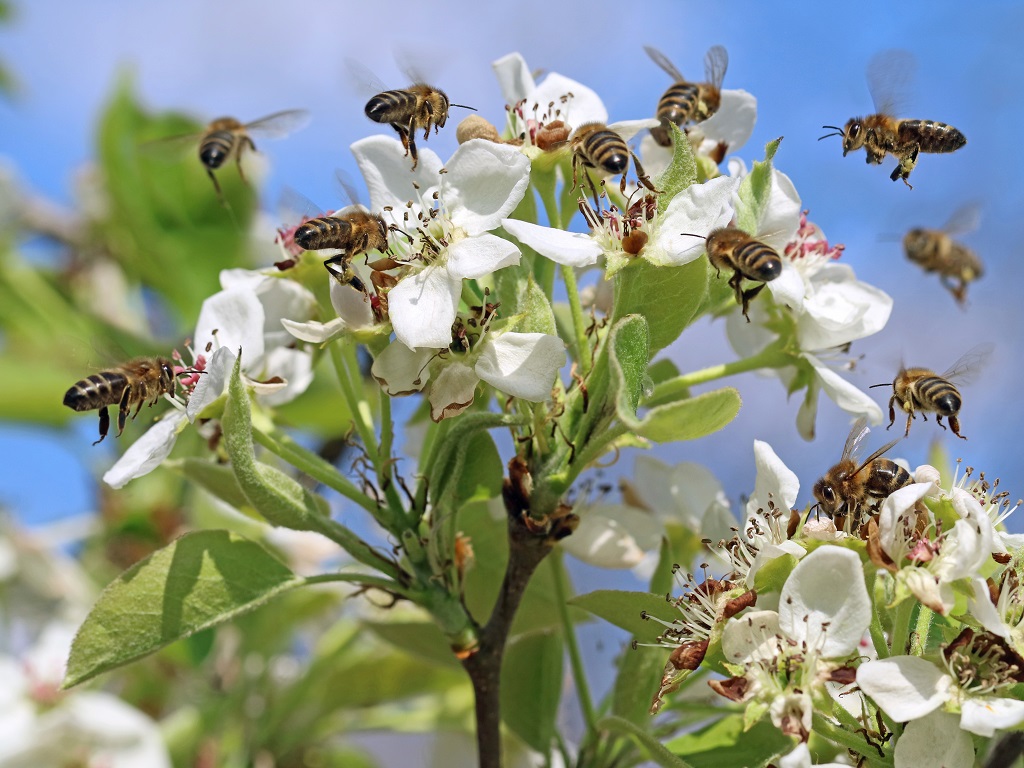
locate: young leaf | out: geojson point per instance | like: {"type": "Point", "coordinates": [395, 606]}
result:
{"type": "Point", "coordinates": [725, 744]}
{"type": "Point", "coordinates": [534, 305]}
{"type": "Point", "coordinates": [681, 172]}
{"type": "Point", "coordinates": [755, 190]}
{"type": "Point", "coordinates": [647, 741]}
{"type": "Point", "coordinates": [640, 670]}
{"type": "Point", "coordinates": [421, 639]}
{"type": "Point", "coordinates": [531, 686]}
{"type": "Point", "coordinates": [216, 479]}
{"type": "Point", "coordinates": [668, 297]}
{"type": "Point", "coordinates": [201, 579]}
{"type": "Point", "coordinates": [624, 609]}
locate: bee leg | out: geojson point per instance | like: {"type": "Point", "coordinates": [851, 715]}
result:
{"type": "Point", "coordinates": [410, 142]}
{"type": "Point", "coordinates": [338, 268]}
{"type": "Point", "coordinates": [429, 121]}
{"type": "Point", "coordinates": [124, 407]}
{"type": "Point", "coordinates": [216, 187]}
{"type": "Point", "coordinates": [892, 413]}
{"type": "Point", "coordinates": [954, 424]}
{"type": "Point", "coordinates": [908, 159]}
{"type": "Point", "coordinates": [748, 295]}
{"type": "Point", "coordinates": [642, 177]}
{"type": "Point", "coordinates": [104, 424]}
{"type": "Point", "coordinates": [910, 417]}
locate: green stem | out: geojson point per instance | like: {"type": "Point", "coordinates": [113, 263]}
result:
{"type": "Point", "coordinates": [357, 404]}
{"type": "Point", "coordinates": [852, 741]}
{"type": "Point", "coordinates": [561, 584]}
{"type": "Point", "coordinates": [578, 323]}
{"type": "Point", "coordinates": [901, 627]}
{"type": "Point", "coordinates": [667, 391]}
{"type": "Point", "coordinates": [313, 465]}
{"type": "Point", "coordinates": [362, 580]}
{"type": "Point", "coordinates": [875, 628]}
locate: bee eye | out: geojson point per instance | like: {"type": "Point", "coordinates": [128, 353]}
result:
{"type": "Point", "coordinates": [854, 130]}
{"type": "Point", "coordinates": [829, 494]}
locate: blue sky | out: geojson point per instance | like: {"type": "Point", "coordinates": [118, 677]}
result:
{"type": "Point", "coordinates": [805, 66]}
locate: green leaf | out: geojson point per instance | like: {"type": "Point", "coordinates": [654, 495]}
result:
{"type": "Point", "coordinates": [724, 744]}
{"type": "Point", "coordinates": [668, 297]}
{"type": "Point", "coordinates": [216, 479]}
{"type": "Point", "coordinates": [536, 309]}
{"type": "Point", "coordinates": [640, 671]}
{"type": "Point", "coordinates": [630, 348]}
{"type": "Point", "coordinates": [482, 473]}
{"type": "Point", "coordinates": [662, 370]}
{"type": "Point", "coordinates": [531, 687]}
{"type": "Point", "coordinates": [647, 741]}
{"type": "Point", "coordinates": [773, 574]}
{"type": "Point", "coordinates": [197, 581]}
{"type": "Point", "coordinates": [681, 172]}
{"type": "Point", "coordinates": [755, 190]}
{"type": "Point", "coordinates": [422, 639]}
{"type": "Point", "coordinates": [624, 609]}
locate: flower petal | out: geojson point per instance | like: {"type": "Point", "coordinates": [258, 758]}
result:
{"type": "Point", "coordinates": [752, 636]}
{"type": "Point", "coordinates": [314, 332]}
{"type": "Point", "coordinates": [389, 175]}
{"type": "Point", "coordinates": [452, 391]}
{"type": "Point", "coordinates": [422, 308]}
{"type": "Point", "coordinates": [514, 78]}
{"type": "Point", "coordinates": [696, 210]}
{"type": "Point", "coordinates": [483, 183]}
{"type": "Point", "coordinates": [982, 609]}
{"type": "Point", "coordinates": [283, 298]}
{"type": "Point", "coordinates": [351, 305]}
{"type": "Point", "coordinates": [522, 364]}
{"type": "Point", "coordinates": [627, 129]}
{"type": "Point", "coordinates": [906, 687]}
{"type": "Point", "coordinates": [236, 317]}
{"type": "Point", "coordinates": [734, 121]}
{"type": "Point", "coordinates": [781, 217]}
{"type": "Point", "coordinates": [290, 372]}
{"type": "Point", "coordinates": [844, 394]}
{"type": "Point", "coordinates": [788, 288]}
{"type": "Point", "coordinates": [897, 512]}
{"type": "Point", "coordinates": [146, 453]}
{"type": "Point", "coordinates": [839, 309]}
{"type": "Point", "coordinates": [812, 609]}
{"type": "Point", "coordinates": [577, 104]}
{"type": "Point", "coordinates": [475, 257]}
{"type": "Point", "coordinates": [934, 740]}
{"type": "Point", "coordinates": [212, 383]}
{"type": "Point", "coordinates": [613, 536]}
{"type": "Point", "coordinates": [774, 480]}
{"type": "Point", "coordinates": [402, 371]}
{"type": "Point", "coordinates": [985, 714]}
{"type": "Point", "coordinates": [573, 249]}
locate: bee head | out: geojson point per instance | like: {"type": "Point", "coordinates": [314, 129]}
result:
{"type": "Point", "coordinates": [853, 135]}
{"type": "Point", "coordinates": [826, 495]}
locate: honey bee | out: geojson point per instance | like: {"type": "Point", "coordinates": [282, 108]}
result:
{"type": "Point", "coordinates": [226, 137]}
{"type": "Point", "coordinates": [126, 385]}
{"type": "Point", "coordinates": [881, 133]}
{"type": "Point", "coordinates": [936, 251]}
{"type": "Point", "coordinates": [685, 101]}
{"type": "Point", "coordinates": [747, 257]}
{"type": "Point", "coordinates": [852, 490]}
{"type": "Point", "coordinates": [921, 389]}
{"type": "Point", "coordinates": [595, 145]}
{"type": "Point", "coordinates": [409, 109]}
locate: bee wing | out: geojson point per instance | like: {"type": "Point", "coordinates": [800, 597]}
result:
{"type": "Point", "coordinates": [716, 61]}
{"type": "Point", "coordinates": [853, 440]}
{"type": "Point", "coordinates": [627, 129]}
{"type": "Point", "coordinates": [876, 454]}
{"type": "Point", "coordinates": [967, 367]}
{"type": "Point", "coordinates": [964, 219]}
{"type": "Point", "coordinates": [889, 76]}
{"type": "Point", "coordinates": [363, 78]}
{"type": "Point", "coordinates": [351, 193]}
{"type": "Point", "coordinates": [293, 206]}
{"type": "Point", "coordinates": [170, 147]}
{"type": "Point", "coordinates": [279, 124]}
{"type": "Point", "coordinates": [662, 61]}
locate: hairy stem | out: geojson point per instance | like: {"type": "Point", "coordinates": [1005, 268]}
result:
{"type": "Point", "coordinates": [579, 324]}
{"type": "Point", "coordinates": [667, 391]}
{"type": "Point", "coordinates": [579, 675]}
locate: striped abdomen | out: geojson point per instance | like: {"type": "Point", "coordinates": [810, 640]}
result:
{"type": "Point", "coordinates": [934, 393]}
{"type": "Point", "coordinates": [930, 136]}
{"type": "Point", "coordinates": [606, 150]}
{"type": "Point", "coordinates": [884, 478]}
{"type": "Point", "coordinates": [391, 107]}
{"type": "Point", "coordinates": [964, 263]}
{"type": "Point", "coordinates": [96, 391]}
{"type": "Point", "coordinates": [324, 232]}
{"type": "Point", "coordinates": [216, 147]}
{"type": "Point", "coordinates": [677, 105]}
{"type": "Point", "coordinates": [757, 261]}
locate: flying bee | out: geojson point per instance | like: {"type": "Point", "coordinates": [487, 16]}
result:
{"type": "Point", "coordinates": [921, 389]}
{"type": "Point", "coordinates": [747, 257]}
{"type": "Point", "coordinates": [685, 101]}
{"type": "Point", "coordinates": [604, 148]}
{"type": "Point", "coordinates": [409, 109]}
{"type": "Point", "coordinates": [936, 251]}
{"type": "Point", "coordinates": [226, 137]}
{"type": "Point", "coordinates": [126, 385]}
{"type": "Point", "coordinates": [881, 133]}
{"type": "Point", "coordinates": [852, 490]}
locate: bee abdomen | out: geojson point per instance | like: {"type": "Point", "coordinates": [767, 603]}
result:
{"type": "Point", "coordinates": [96, 391]}
{"type": "Point", "coordinates": [931, 136]}
{"type": "Point", "coordinates": [678, 103]}
{"type": "Point", "coordinates": [886, 477]}
{"type": "Point", "coordinates": [608, 151]}
{"type": "Point", "coordinates": [390, 106]}
{"type": "Point", "coordinates": [324, 232]}
{"type": "Point", "coordinates": [216, 148]}
{"type": "Point", "coordinates": [758, 261]}
{"type": "Point", "coordinates": [940, 394]}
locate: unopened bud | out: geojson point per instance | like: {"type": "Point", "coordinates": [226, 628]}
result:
{"type": "Point", "coordinates": [476, 127]}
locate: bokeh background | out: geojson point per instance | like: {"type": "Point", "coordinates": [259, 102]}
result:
{"type": "Point", "coordinates": [804, 62]}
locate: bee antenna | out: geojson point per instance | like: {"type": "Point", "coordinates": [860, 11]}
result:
{"type": "Point", "coordinates": [883, 384]}
{"type": "Point", "coordinates": [690, 234]}
{"type": "Point", "coordinates": [837, 133]}
{"type": "Point", "coordinates": [463, 106]}
{"type": "Point", "coordinates": [833, 127]}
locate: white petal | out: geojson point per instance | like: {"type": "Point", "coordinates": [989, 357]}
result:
{"type": "Point", "coordinates": [422, 308]}
{"type": "Point", "coordinates": [781, 217]}
{"type": "Point", "coordinates": [212, 383]}
{"type": "Point", "coordinates": [146, 453]}
{"type": "Point", "coordinates": [734, 121]}
{"type": "Point", "coordinates": [926, 473]}
{"type": "Point", "coordinates": [896, 510]}
{"type": "Point", "coordinates": [236, 316]}
{"type": "Point", "coordinates": [752, 636]}
{"type": "Point", "coordinates": [115, 734]}
{"type": "Point", "coordinates": [400, 370]}
{"type": "Point", "coordinates": [812, 609]}
{"type": "Point", "coordinates": [514, 77]}
{"type": "Point", "coordinates": [452, 391]}
{"type": "Point", "coordinates": [475, 257]}
{"type": "Point", "coordinates": [844, 394]}
{"type": "Point", "coordinates": [788, 288]}
{"type": "Point", "coordinates": [984, 715]}
{"type": "Point", "coordinates": [934, 740]}
{"type": "Point", "coordinates": [694, 491]}
{"type": "Point", "coordinates": [283, 298]}
{"type": "Point", "coordinates": [351, 305]}
{"type": "Point", "coordinates": [389, 175]}
{"type": "Point", "coordinates": [573, 249]}
{"type": "Point", "coordinates": [906, 687]}
{"type": "Point", "coordinates": [696, 210]}
{"type": "Point", "coordinates": [839, 308]}
{"type": "Point", "coordinates": [483, 183]}
{"type": "Point", "coordinates": [583, 106]}
{"type": "Point", "coordinates": [314, 332]}
{"type": "Point", "coordinates": [522, 364]}
{"type": "Point", "coordinates": [627, 129]}
{"type": "Point", "coordinates": [773, 478]}
{"type": "Point", "coordinates": [241, 278]}
{"type": "Point", "coordinates": [293, 366]}
{"type": "Point", "coordinates": [613, 536]}
{"type": "Point", "coordinates": [927, 588]}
